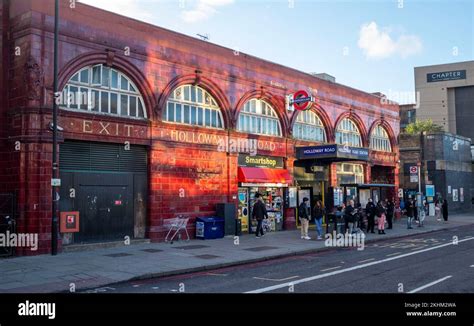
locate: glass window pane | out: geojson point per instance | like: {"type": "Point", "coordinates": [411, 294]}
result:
{"type": "Point", "coordinates": [133, 106]}
{"type": "Point", "coordinates": [95, 101]}
{"type": "Point", "coordinates": [132, 88]}
{"type": "Point", "coordinates": [113, 103]}
{"type": "Point", "coordinates": [215, 116]}
{"type": "Point", "coordinates": [123, 83]}
{"type": "Point", "coordinates": [187, 91]}
{"type": "Point", "coordinates": [124, 105]}
{"type": "Point", "coordinates": [85, 76]}
{"type": "Point", "coordinates": [83, 99]}
{"type": "Point", "coordinates": [200, 116]}
{"type": "Point", "coordinates": [178, 113]}
{"type": "Point", "coordinates": [193, 115]}
{"type": "Point", "coordinates": [199, 96]}
{"type": "Point", "coordinates": [141, 112]}
{"type": "Point", "coordinates": [193, 94]}
{"type": "Point", "coordinates": [105, 76]}
{"type": "Point", "coordinates": [114, 80]}
{"type": "Point", "coordinates": [96, 74]}
{"type": "Point", "coordinates": [73, 90]}
{"type": "Point", "coordinates": [170, 116]}
{"type": "Point", "coordinates": [253, 106]}
{"type": "Point", "coordinates": [186, 114]}
{"type": "Point", "coordinates": [104, 102]}
{"type": "Point", "coordinates": [75, 77]}
{"type": "Point", "coordinates": [208, 117]}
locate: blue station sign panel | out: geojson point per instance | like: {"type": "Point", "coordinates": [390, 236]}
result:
{"type": "Point", "coordinates": [333, 152]}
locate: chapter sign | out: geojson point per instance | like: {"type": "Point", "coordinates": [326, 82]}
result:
{"type": "Point", "coordinates": [445, 76]}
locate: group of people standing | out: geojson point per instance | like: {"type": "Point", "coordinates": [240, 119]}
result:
{"type": "Point", "coordinates": [416, 213]}
{"type": "Point", "coordinates": [384, 212]}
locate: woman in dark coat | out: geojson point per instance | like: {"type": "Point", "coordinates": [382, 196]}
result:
{"type": "Point", "coordinates": [445, 210]}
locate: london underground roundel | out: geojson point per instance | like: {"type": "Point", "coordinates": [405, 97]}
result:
{"type": "Point", "coordinates": [302, 100]}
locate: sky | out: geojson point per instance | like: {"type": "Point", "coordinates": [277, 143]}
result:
{"type": "Point", "coordinates": [371, 45]}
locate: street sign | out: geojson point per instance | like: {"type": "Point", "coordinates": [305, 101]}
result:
{"type": "Point", "coordinates": [414, 169]}
{"type": "Point", "coordinates": [301, 100]}
{"type": "Point", "coordinates": [414, 178]}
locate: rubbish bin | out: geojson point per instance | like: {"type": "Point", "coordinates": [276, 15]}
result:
{"type": "Point", "coordinates": [209, 228]}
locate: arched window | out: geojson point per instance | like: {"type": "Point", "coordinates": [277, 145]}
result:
{"type": "Point", "coordinates": [258, 117]}
{"type": "Point", "coordinates": [192, 105]}
{"type": "Point", "coordinates": [379, 140]}
{"type": "Point", "coordinates": [308, 126]}
{"type": "Point", "coordinates": [103, 90]}
{"type": "Point", "coordinates": [347, 133]}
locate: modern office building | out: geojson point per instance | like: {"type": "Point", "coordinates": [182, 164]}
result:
{"type": "Point", "coordinates": [446, 95]}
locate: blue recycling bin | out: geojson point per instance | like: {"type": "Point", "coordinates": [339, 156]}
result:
{"type": "Point", "coordinates": [209, 228]}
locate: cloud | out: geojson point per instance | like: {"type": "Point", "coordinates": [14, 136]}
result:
{"type": "Point", "coordinates": [378, 44]}
{"type": "Point", "coordinates": [203, 10]}
{"type": "Point", "coordinates": [130, 8]}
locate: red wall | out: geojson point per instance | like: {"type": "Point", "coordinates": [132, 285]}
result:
{"type": "Point", "coordinates": [160, 60]}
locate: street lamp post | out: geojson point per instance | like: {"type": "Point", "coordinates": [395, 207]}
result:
{"type": "Point", "coordinates": [54, 224]}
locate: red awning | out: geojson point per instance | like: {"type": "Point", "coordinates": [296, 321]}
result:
{"type": "Point", "coordinates": [263, 175]}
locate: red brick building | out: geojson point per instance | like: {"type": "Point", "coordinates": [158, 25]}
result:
{"type": "Point", "coordinates": [164, 126]}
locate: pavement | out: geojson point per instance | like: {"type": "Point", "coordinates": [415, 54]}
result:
{"type": "Point", "coordinates": [79, 271]}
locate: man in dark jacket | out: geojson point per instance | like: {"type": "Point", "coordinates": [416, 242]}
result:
{"type": "Point", "coordinates": [349, 217]}
{"type": "Point", "coordinates": [410, 208]}
{"type": "Point", "coordinates": [259, 212]}
{"type": "Point", "coordinates": [303, 215]}
{"type": "Point", "coordinates": [390, 211]}
{"type": "Point", "coordinates": [370, 212]}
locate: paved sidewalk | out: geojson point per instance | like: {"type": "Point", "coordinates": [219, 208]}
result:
{"type": "Point", "coordinates": [101, 267]}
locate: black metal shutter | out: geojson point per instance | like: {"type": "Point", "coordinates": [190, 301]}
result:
{"type": "Point", "coordinates": [89, 156]}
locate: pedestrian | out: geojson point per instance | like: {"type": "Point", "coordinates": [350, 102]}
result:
{"type": "Point", "coordinates": [370, 212]}
{"type": "Point", "coordinates": [390, 211]}
{"type": "Point", "coordinates": [438, 210]}
{"type": "Point", "coordinates": [410, 209]}
{"type": "Point", "coordinates": [304, 218]}
{"type": "Point", "coordinates": [349, 217]}
{"type": "Point", "coordinates": [381, 214]}
{"type": "Point", "coordinates": [415, 211]}
{"type": "Point", "coordinates": [318, 213]}
{"type": "Point", "coordinates": [259, 212]}
{"type": "Point", "coordinates": [445, 210]}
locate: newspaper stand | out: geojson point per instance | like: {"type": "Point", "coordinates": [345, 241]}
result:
{"type": "Point", "coordinates": [174, 226]}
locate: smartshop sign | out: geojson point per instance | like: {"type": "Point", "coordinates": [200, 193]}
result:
{"type": "Point", "coordinates": [445, 76]}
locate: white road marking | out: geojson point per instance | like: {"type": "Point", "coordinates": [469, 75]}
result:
{"type": "Point", "coordinates": [316, 277]}
{"type": "Point", "coordinates": [395, 253]}
{"type": "Point", "coordinates": [328, 269]}
{"type": "Point", "coordinates": [135, 285]}
{"type": "Point", "coordinates": [216, 274]}
{"type": "Point", "coordinates": [472, 265]}
{"type": "Point", "coordinates": [276, 280]}
{"type": "Point", "coordinates": [364, 261]}
{"type": "Point", "coordinates": [430, 284]}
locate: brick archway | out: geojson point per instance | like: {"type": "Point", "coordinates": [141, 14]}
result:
{"type": "Point", "coordinates": [321, 113]}
{"type": "Point", "coordinates": [116, 62]}
{"type": "Point", "coordinates": [359, 123]}
{"type": "Point", "coordinates": [276, 102]}
{"type": "Point", "coordinates": [201, 81]}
